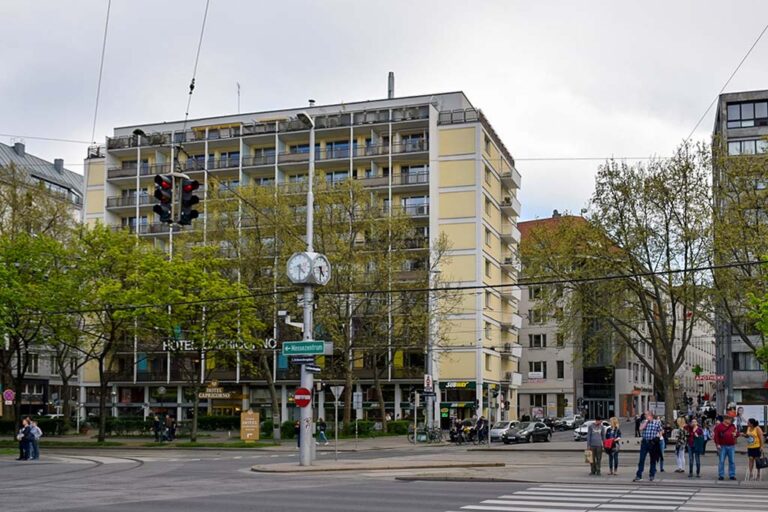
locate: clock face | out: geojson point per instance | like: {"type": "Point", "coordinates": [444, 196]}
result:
{"type": "Point", "coordinates": [321, 270]}
{"type": "Point", "coordinates": [299, 268]}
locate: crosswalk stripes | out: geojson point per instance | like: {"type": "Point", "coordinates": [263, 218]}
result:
{"type": "Point", "coordinates": [609, 498]}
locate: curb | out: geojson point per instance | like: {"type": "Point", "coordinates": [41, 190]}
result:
{"type": "Point", "coordinates": [319, 469]}
{"type": "Point", "coordinates": [645, 483]}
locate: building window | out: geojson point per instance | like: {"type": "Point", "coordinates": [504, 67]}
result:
{"type": "Point", "coordinates": [560, 340]}
{"type": "Point", "coordinates": [487, 268]}
{"type": "Point", "coordinates": [33, 363]}
{"type": "Point", "coordinates": [747, 147]}
{"type": "Point", "coordinates": [487, 330]}
{"type": "Point", "coordinates": [535, 316]}
{"type": "Point", "coordinates": [336, 176]}
{"type": "Point", "coordinates": [487, 145]}
{"type": "Point", "coordinates": [534, 292]}
{"type": "Point", "coordinates": [745, 361]}
{"type": "Point", "coordinates": [488, 176]}
{"type": "Point", "coordinates": [487, 362]}
{"type": "Point", "coordinates": [52, 368]}
{"type": "Point", "coordinates": [488, 300]}
{"type": "Point", "coordinates": [537, 340]}
{"type": "Point", "coordinates": [416, 205]}
{"type": "Point", "coordinates": [745, 115]}
{"type": "Point", "coordinates": [560, 369]}
{"type": "Point", "coordinates": [488, 207]}
{"type": "Point", "coordinates": [539, 400]}
{"type": "Point", "coordinates": [488, 237]}
{"type": "Point", "coordinates": [538, 366]}
{"type": "Point", "coordinates": [636, 370]}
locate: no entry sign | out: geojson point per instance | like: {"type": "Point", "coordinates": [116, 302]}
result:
{"type": "Point", "coordinates": [302, 397]}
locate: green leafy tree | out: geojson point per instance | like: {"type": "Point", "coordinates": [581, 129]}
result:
{"type": "Point", "coordinates": [628, 273]}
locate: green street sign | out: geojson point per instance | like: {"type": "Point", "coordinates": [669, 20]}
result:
{"type": "Point", "coordinates": [306, 348]}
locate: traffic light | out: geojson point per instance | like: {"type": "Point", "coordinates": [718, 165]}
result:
{"type": "Point", "coordinates": [188, 200]}
{"type": "Point", "coordinates": [164, 194]}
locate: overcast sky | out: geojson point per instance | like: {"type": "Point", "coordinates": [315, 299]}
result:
{"type": "Point", "coordinates": [556, 79]}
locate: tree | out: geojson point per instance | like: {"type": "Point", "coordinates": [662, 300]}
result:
{"type": "Point", "coordinates": [630, 274]}
{"type": "Point", "coordinates": [122, 287]}
{"type": "Point", "coordinates": [213, 315]}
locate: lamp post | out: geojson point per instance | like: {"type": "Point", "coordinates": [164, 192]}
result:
{"type": "Point", "coordinates": [307, 378]}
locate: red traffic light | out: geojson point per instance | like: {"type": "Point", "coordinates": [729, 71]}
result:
{"type": "Point", "coordinates": [164, 182]}
{"type": "Point", "coordinates": [190, 185]}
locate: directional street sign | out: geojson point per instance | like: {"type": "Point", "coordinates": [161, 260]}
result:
{"type": "Point", "coordinates": [302, 360]}
{"type": "Point", "coordinates": [312, 368]}
{"type": "Point", "coordinates": [428, 393]}
{"type": "Point", "coordinates": [302, 397]}
{"type": "Point", "coordinates": [357, 400]}
{"type": "Point", "coordinates": [303, 348]}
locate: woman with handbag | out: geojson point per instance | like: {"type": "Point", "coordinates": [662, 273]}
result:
{"type": "Point", "coordinates": [755, 446]}
{"type": "Point", "coordinates": [611, 445]}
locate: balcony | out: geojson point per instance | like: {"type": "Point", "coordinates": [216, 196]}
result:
{"type": "Point", "coordinates": [511, 179]}
{"type": "Point", "coordinates": [411, 146]}
{"type": "Point", "coordinates": [510, 234]}
{"type": "Point", "coordinates": [128, 201]}
{"type": "Point", "coordinates": [412, 210]}
{"type": "Point", "coordinates": [511, 321]}
{"type": "Point", "coordinates": [511, 206]}
{"type": "Point", "coordinates": [512, 350]}
{"type": "Point", "coordinates": [143, 170]}
{"type": "Point", "coordinates": [511, 293]}
{"type": "Point", "coordinates": [259, 160]}
{"type": "Point", "coordinates": [135, 141]}
{"type": "Point", "coordinates": [411, 179]}
{"type": "Point", "coordinates": [515, 379]}
{"type": "Point", "coordinates": [421, 242]}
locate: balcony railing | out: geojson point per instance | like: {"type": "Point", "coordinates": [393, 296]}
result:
{"type": "Point", "coordinates": [143, 170]}
{"type": "Point", "coordinates": [123, 201]}
{"type": "Point", "coordinates": [254, 161]}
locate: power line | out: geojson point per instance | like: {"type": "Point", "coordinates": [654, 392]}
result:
{"type": "Point", "coordinates": [523, 282]}
{"type": "Point", "coordinates": [197, 59]}
{"type": "Point", "coordinates": [726, 83]}
{"type": "Point", "coordinates": [52, 139]}
{"type": "Point", "coordinates": [585, 158]}
{"type": "Point", "coordinates": [101, 71]}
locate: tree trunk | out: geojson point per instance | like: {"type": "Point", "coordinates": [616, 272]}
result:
{"type": "Point", "coordinates": [380, 396]}
{"type": "Point", "coordinates": [102, 402]}
{"type": "Point", "coordinates": [669, 398]}
{"type": "Point", "coordinates": [195, 407]}
{"type": "Point", "coordinates": [348, 396]}
{"type": "Point", "coordinates": [66, 406]}
{"type": "Point", "coordinates": [273, 395]}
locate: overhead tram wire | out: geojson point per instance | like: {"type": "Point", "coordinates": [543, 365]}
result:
{"type": "Point", "coordinates": [197, 60]}
{"type": "Point", "coordinates": [50, 139]}
{"type": "Point", "coordinates": [101, 72]}
{"type": "Point", "coordinates": [727, 82]}
{"type": "Point", "coordinates": [523, 282]}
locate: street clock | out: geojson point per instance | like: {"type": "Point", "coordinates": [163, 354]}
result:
{"type": "Point", "coordinates": [309, 268]}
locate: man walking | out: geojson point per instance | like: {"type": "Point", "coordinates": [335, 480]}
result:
{"type": "Point", "coordinates": [650, 429]}
{"type": "Point", "coordinates": [725, 435]}
{"type": "Point", "coordinates": [595, 439]}
{"type": "Point", "coordinates": [34, 443]}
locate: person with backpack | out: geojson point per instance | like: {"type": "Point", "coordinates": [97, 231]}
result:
{"type": "Point", "coordinates": [680, 436]}
{"type": "Point", "coordinates": [725, 435]}
{"type": "Point", "coordinates": [611, 445]}
{"type": "Point", "coordinates": [595, 439]}
{"type": "Point", "coordinates": [695, 443]}
{"type": "Point", "coordinates": [34, 442]}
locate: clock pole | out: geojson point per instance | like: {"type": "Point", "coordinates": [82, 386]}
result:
{"type": "Point", "coordinates": [306, 441]}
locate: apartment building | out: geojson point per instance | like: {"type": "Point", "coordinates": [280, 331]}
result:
{"type": "Point", "coordinates": [434, 156]}
{"type": "Point", "coordinates": [741, 126]}
{"type": "Point", "coordinates": [41, 390]}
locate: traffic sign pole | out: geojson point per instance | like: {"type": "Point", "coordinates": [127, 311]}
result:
{"type": "Point", "coordinates": [307, 381]}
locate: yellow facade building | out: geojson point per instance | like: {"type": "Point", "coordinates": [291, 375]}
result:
{"type": "Point", "coordinates": [434, 156]}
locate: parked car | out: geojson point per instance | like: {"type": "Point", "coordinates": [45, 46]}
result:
{"type": "Point", "coordinates": [580, 434]}
{"type": "Point", "coordinates": [530, 431]}
{"type": "Point", "coordinates": [501, 427]}
{"type": "Point", "coordinates": [570, 422]}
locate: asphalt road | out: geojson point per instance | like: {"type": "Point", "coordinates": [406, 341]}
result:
{"type": "Point", "coordinates": [197, 481]}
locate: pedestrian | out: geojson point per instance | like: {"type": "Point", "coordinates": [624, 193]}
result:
{"type": "Point", "coordinates": [321, 426]}
{"type": "Point", "coordinates": [34, 442]}
{"type": "Point", "coordinates": [650, 430]}
{"type": "Point", "coordinates": [681, 442]}
{"type": "Point", "coordinates": [22, 439]}
{"type": "Point", "coordinates": [755, 445]}
{"type": "Point", "coordinates": [638, 422]}
{"type": "Point", "coordinates": [156, 428]}
{"type": "Point", "coordinates": [297, 433]}
{"type": "Point", "coordinates": [740, 421]}
{"type": "Point", "coordinates": [707, 434]}
{"type": "Point", "coordinates": [595, 439]}
{"type": "Point", "coordinates": [170, 427]}
{"type": "Point", "coordinates": [725, 435]}
{"type": "Point", "coordinates": [611, 445]}
{"type": "Point", "coordinates": [695, 443]}
{"type": "Point", "coordinates": [718, 422]}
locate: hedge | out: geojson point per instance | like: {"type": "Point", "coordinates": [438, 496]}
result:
{"type": "Point", "coordinates": [49, 426]}
{"type": "Point", "coordinates": [217, 423]}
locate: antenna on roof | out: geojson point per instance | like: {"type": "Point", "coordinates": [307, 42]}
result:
{"type": "Point", "coordinates": [391, 85]}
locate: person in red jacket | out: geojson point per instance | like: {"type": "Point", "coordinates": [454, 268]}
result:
{"type": "Point", "coordinates": [725, 435]}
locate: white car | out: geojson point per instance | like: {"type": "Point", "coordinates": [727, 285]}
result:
{"type": "Point", "coordinates": [501, 427]}
{"type": "Point", "coordinates": [571, 422]}
{"type": "Point", "coordinates": [580, 434]}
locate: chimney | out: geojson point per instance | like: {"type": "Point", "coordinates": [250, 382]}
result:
{"type": "Point", "coordinates": [391, 85]}
{"type": "Point", "coordinates": [58, 164]}
{"type": "Point", "coordinates": [18, 147]}
{"type": "Point", "coordinates": [311, 103]}
{"type": "Point", "coordinates": [555, 214]}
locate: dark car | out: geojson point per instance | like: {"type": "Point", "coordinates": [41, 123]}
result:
{"type": "Point", "coordinates": [527, 432]}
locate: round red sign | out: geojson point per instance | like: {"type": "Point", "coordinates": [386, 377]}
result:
{"type": "Point", "coordinates": [302, 397]}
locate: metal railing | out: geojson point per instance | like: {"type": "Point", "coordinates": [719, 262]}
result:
{"type": "Point", "coordinates": [143, 170]}
{"type": "Point", "coordinates": [123, 201]}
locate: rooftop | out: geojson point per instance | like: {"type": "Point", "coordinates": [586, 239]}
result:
{"type": "Point", "coordinates": [39, 168]}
